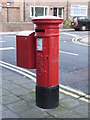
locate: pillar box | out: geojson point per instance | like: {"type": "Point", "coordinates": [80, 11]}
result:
{"type": "Point", "coordinates": [47, 61]}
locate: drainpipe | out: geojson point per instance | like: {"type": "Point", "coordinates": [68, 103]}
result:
{"type": "Point", "coordinates": [7, 15]}
{"type": "Point", "coordinates": [67, 11]}
{"type": "Point", "coordinates": [24, 10]}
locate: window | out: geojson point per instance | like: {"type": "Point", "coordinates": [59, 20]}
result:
{"type": "Point", "coordinates": [38, 11]}
{"type": "Point", "coordinates": [78, 10]}
{"type": "Point", "coordinates": [55, 12]}
{"type": "Point", "coordinates": [8, 4]}
{"type": "Point", "coordinates": [32, 11]}
{"type": "Point", "coordinates": [10, 1]}
{"type": "Point", "coordinates": [46, 11]}
{"type": "Point", "coordinates": [58, 12]}
{"type": "Point", "coordinates": [0, 7]}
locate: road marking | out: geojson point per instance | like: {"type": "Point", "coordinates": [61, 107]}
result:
{"type": "Point", "coordinates": [2, 41]}
{"type": "Point", "coordinates": [69, 53]}
{"type": "Point", "coordinates": [85, 100]}
{"type": "Point", "coordinates": [68, 93]}
{"type": "Point", "coordinates": [19, 68]}
{"type": "Point", "coordinates": [72, 90]}
{"type": "Point", "coordinates": [65, 41]}
{"type": "Point", "coordinates": [75, 40]}
{"type": "Point", "coordinates": [61, 86]}
{"type": "Point", "coordinates": [7, 48]}
{"type": "Point", "coordinates": [73, 95]}
{"type": "Point", "coordinates": [87, 96]}
{"type": "Point", "coordinates": [73, 35]}
{"type": "Point", "coordinates": [18, 71]}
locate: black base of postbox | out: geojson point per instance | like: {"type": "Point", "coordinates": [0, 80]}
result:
{"type": "Point", "coordinates": [47, 97]}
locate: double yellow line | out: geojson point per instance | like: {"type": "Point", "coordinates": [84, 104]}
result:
{"type": "Point", "coordinates": [63, 89]}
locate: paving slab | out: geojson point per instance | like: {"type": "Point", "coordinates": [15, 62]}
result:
{"type": "Point", "coordinates": [71, 102]}
{"type": "Point", "coordinates": [14, 77]}
{"type": "Point", "coordinates": [0, 107]}
{"type": "Point", "coordinates": [0, 115]}
{"type": "Point", "coordinates": [5, 92]}
{"type": "Point", "coordinates": [5, 81]}
{"type": "Point", "coordinates": [82, 110]}
{"type": "Point", "coordinates": [6, 74]}
{"type": "Point", "coordinates": [19, 107]}
{"type": "Point", "coordinates": [77, 115]}
{"type": "Point", "coordinates": [0, 90]}
{"type": "Point", "coordinates": [62, 96]}
{"type": "Point", "coordinates": [60, 112]}
{"type": "Point", "coordinates": [29, 86]}
{"type": "Point", "coordinates": [0, 72]}
{"type": "Point", "coordinates": [19, 91]}
{"type": "Point", "coordinates": [11, 86]}
{"type": "Point", "coordinates": [9, 114]}
{"type": "Point", "coordinates": [18, 98]}
{"type": "Point", "coordinates": [1, 81]}
{"type": "Point", "coordinates": [34, 113]}
{"type": "Point", "coordinates": [69, 107]}
{"type": "Point", "coordinates": [21, 81]}
{"type": "Point", "coordinates": [4, 107]}
{"type": "Point", "coordinates": [9, 99]}
{"type": "Point", "coordinates": [29, 98]}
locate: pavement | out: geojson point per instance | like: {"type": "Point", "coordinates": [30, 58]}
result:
{"type": "Point", "coordinates": [18, 100]}
{"type": "Point", "coordinates": [6, 33]}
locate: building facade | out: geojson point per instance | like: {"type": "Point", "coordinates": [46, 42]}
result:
{"type": "Point", "coordinates": [65, 9]}
{"type": "Point", "coordinates": [17, 15]}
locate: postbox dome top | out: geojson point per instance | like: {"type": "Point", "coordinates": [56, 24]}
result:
{"type": "Point", "coordinates": [47, 19]}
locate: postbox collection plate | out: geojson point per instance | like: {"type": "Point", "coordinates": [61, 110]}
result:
{"type": "Point", "coordinates": [39, 44]}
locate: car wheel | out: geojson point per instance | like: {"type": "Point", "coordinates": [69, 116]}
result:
{"type": "Point", "coordinates": [83, 28]}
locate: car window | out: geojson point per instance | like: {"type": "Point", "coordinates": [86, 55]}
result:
{"type": "Point", "coordinates": [81, 18]}
{"type": "Point", "coordinates": [86, 18]}
{"type": "Point", "coordinates": [89, 18]}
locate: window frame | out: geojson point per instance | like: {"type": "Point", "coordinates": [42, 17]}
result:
{"type": "Point", "coordinates": [58, 11]}
{"type": "Point", "coordinates": [41, 7]}
{"type": "Point", "coordinates": [79, 8]}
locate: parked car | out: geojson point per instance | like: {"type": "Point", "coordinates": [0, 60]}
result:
{"type": "Point", "coordinates": [81, 23]}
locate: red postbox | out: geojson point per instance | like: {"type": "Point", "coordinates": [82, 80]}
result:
{"type": "Point", "coordinates": [26, 49]}
{"type": "Point", "coordinates": [47, 61]}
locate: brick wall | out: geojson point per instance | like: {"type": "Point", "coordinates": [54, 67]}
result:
{"type": "Point", "coordinates": [13, 14]}
{"type": "Point", "coordinates": [10, 20]}
{"type": "Point", "coordinates": [10, 14]}
{"type": "Point", "coordinates": [16, 26]}
{"type": "Point", "coordinates": [4, 14]}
